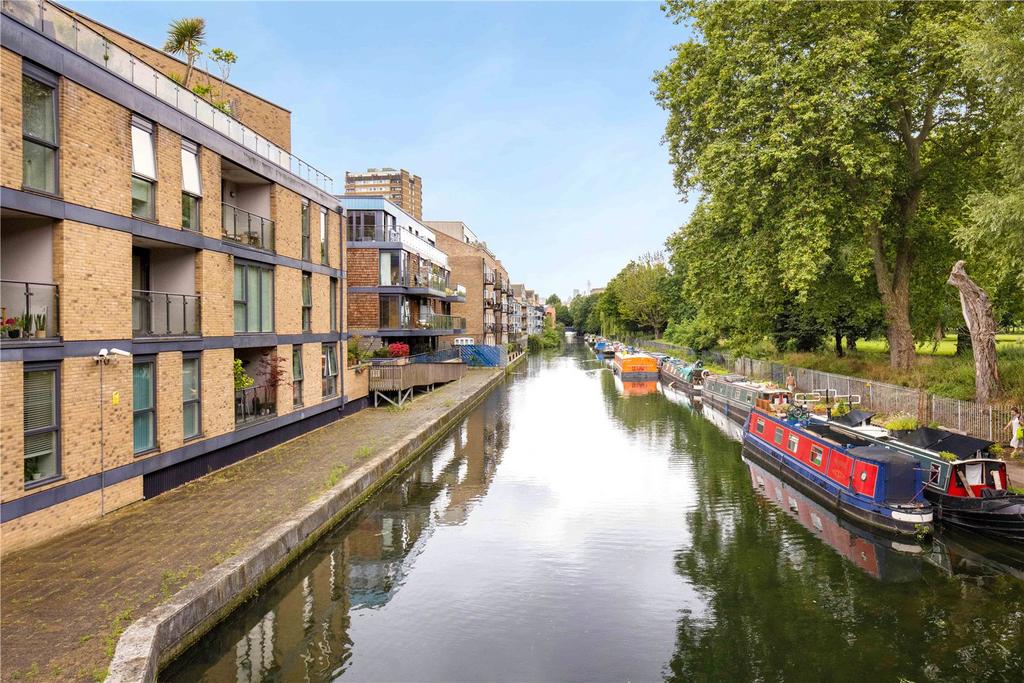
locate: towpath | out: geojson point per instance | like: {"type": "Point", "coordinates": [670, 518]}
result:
{"type": "Point", "coordinates": [64, 603]}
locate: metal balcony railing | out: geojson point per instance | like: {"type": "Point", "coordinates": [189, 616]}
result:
{"type": "Point", "coordinates": [436, 321]}
{"type": "Point", "coordinates": [489, 277]}
{"type": "Point", "coordinates": [255, 404]}
{"type": "Point", "coordinates": [35, 306]}
{"type": "Point", "coordinates": [238, 225]}
{"type": "Point", "coordinates": [65, 29]}
{"type": "Point", "coordinates": [162, 314]}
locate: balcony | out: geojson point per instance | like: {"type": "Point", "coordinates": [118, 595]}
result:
{"type": "Point", "coordinates": [255, 404]}
{"type": "Point", "coordinates": [34, 306]}
{"type": "Point", "coordinates": [239, 225]}
{"type": "Point", "coordinates": [489, 277]}
{"type": "Point", "coordinates": [443, 322]}
{"type": "Point", "coordinates": [433, 321]}
{"type": "Point", "coordinates": [263, 370]}
{"type": "Point", "coordinates": [162, 314]}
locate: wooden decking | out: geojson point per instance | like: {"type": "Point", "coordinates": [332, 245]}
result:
{"type": "Point", "coordinates": [388, 378]}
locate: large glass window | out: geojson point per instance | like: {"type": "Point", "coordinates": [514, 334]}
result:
{"type": "Point", "coordinates": [143, 170]}
{"type": "Point", "coordinates": [305, 230]}
{"type": "Point", "coordinates": [297, 375]}
{"type": "Point", "coordinates": [143, 406]}
{"type": "Point", "coordinates": [391, 268]}
{"type": "Point", "coordinates": [42, 423]}
{"type": "Point", "coordinates": [190, 397]}
{"type": "Point", "coordinates": [39, 135]}
{"type": "Point", "coordinates": [254, 298]}
{"type": "Point", "coordinates": [191, 186]}
{"type": "Point", "coordinates": [334, 304]}
{"type": "Point", "coordinates": [307, 302]}
{"type": "Point", "coordinates": [329, 361]}
{"type": "Point", "coordinates": [323, 236]}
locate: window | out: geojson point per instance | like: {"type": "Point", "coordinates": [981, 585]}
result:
{"type": "Point", "coordinates": [793, 442]}
{"type": "Point", "coordinates": [334, 304]}
{"type": "Point", "coordinates": [329, 361]}
{"type": "Point", "coordinates": [42, 423]}
{"type": "Point", "coordinates": [305, 230]}
{"type": "Point", "coordinates": [143, 406]}
{"type": "Point", "coordinates": [307, 302]}
{"type": "Point", "coordinates": [760, 426]}
{"type": "Point", "coordinates": [143, 170]}
{"type": "Point", "coordinates": [934, 474]}
{"type": "Point", "coordinates": [191, 186]}
{"type": "Point", "coordinates": [297, 375]}
{"type": "Point", "coordinates": [323, 236]}
{"type": "Point", "coordinates": [190, 397]}
{"type": "Point", "coordinates": [254, 298]}
{"type": "Point", "coordinates": [39, 134]}
{"type": "Point", "coordinates": [779, 433]}
{"type": "Point", "coordinates": [817, 455]}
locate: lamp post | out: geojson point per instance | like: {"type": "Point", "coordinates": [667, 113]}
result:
{"type": "Point", "coordinates": [103, 358]}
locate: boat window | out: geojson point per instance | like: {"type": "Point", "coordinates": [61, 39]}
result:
{"type": "Point", "coordinates": [750, 398]}
{"type": "Point", "coordinates": [779, 432]}
{"type": "Point", "coordinates": [934, 473]}
{"type": "Point", "coordinates": [817, 455]}
{"type": "Point", "coordinates": [760, 426]}
{"type": "Point", "coordinates": [793, 442]}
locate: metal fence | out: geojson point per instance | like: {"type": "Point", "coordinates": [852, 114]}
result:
{"type": "Point", "coordinates": [981, 421]}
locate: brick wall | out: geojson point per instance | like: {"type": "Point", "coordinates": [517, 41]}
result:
{"type": "Point", "coordinates": [210, 206]}
{"type": "Point", "coordinates": [96, 150]}
{"type": "Point", "coordinates": [215, 284]}
{"type": "Point", "coordinates": [287, 300]}
{"type": "Point", "coordinates": [286, 212]}
{"type": "Point", "coordinates": [168, 172]}
{"type": "Point", "coordinates": [363, 311]}
{"type": "Point", "coordinates": [312, 384]}
{"type": "Point", "coordinates": [266, 118]}
{"type": "Point", "coordinates": [218, 392]}
{"type": "Point", "coordinates": [10, 119]}
{"type": "Point", "coordinates": [169, 426]}
{"type": "Point", "coordinates": [93, 267]}
{"type": "Point", "coordinates": [363, 267]}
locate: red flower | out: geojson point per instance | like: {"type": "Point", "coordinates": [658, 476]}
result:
{"type": "Point", "coordinates": [398, 350]}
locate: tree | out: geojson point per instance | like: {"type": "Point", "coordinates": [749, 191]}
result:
{"type": "Point", "coordinates": [977, 311]}
{"type": "Point", "coordinates": [224, 59]}
{"type": "Point", "coordinates": [815, 127]}
{"type": "Point", "coordinates": [643, 297]}
{"type": "Point", "coordinates": [186, 37]}
{"type": "Point", "coordinates": [562, 314]}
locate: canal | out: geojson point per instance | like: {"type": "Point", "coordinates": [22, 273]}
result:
{"type": "Point", "coordinates": [572, 529]}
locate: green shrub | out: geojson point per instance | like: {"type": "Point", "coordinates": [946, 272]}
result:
{"type": "Point", "coordinates": [947, 456]}
{"type": "Point", "coordinates": [901, 421]}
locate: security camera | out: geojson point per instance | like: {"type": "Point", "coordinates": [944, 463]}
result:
{"type": "Point", "coordinates": [102, 353]}
{"type": "Point", "coordinates": [117, 352]}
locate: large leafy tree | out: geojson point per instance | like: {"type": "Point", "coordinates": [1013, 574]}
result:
{"type": "Point", "coordinates": [827, 139]}
{"type": "Point", "coordinates": [643, 293]}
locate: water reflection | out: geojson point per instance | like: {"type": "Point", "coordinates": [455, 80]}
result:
{"type": "Point", "coordinates": [575, 528]}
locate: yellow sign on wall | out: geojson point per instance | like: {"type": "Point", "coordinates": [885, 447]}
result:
{"type": "Point", "coordinates": [115, 398]}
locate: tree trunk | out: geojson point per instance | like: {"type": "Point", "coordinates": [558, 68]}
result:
{"type": "Point", "coordinates": [851, 342]}
{"type": "Point", "coordinates": [977, 309]}
{"type": "Point", "coordinates": [963, 340]}
{"type": "Point", "coordinates": [839, 342]}
{"type": "Point", "coordinates": [894, 290]}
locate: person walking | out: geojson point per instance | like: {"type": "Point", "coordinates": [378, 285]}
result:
{"type": "Point", "coordinates": [1016, 430]}
{"type": "Point", "coordinates": [791, 382]}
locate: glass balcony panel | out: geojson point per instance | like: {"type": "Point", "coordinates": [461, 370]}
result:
{"type": "Point", "coordinates": [35, 307]}
{"type": "Point", "coordinates": [26, 11]}
{"type": "Point", "coordinates": [60, 27]}
{"type": "Point", "coordinates": [92, 45]}
{"type": "Point", "coordinates": [167, 90]}
{"type": "Point", "coordinates": [144, 77]}
{"type": "Point", "coordinates": [119, 61]}
{"type": "Point", "coordinates": [255, 404]}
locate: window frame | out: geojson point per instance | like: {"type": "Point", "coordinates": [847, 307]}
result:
{"type": "Point", "coordinates": [198, 400]}
{"type": "Point", "coordinates": [325, 369]}
{"type": "Point", "coordinates": [780, 434]}
{"type": "Point", "coordinates": [306, 297]}
{"type": "Point", "coordinates": [51, 81]}
{"type": "Point", "coordinates": [325, 238]}
{"type": "Point", "coordinates": [817, 455]}
{"type": "Point", "coordinates": [297, 381]}
{"type": "Point", "coordinates": [189, 147]}
{"type": "Point", "coordinates": [57, 468]}
{"type": "Point", "coordinates": [306, 248]}
{"type": "Point", "coordinates": [249, 300]}
{"type": "Point", "coordinates": [151, 361]}
{"type": "Point", "coordinates": [793, 442]}
{"type": "Point", "coordinates": [759, 426]}
{"type": "Point", "coordinates": [150, 129]}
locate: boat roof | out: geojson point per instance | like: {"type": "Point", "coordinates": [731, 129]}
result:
{"type": "Point", "coordinates": [883, 455]}
{"type": "Point", "coordinates": [854, 418]}
{"type": "Point", "coordinates": [933, 439]}
{"type": "Point", "coordinates": [746, 383]}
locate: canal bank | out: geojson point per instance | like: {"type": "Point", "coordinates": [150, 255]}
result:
{"type": "Point", "coordinates": [180, 560]}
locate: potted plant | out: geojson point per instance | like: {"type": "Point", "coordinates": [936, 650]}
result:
{"type": "Point", "coordinates": [40, 325]}
{"type": "Point", "coordinates": [10, 328]}
{"type": "Point", "coordinates": [24, 323]}
{"type": "Point", "coordinates": [399, 351]}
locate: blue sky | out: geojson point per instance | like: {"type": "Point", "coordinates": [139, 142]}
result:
{"type": "Point", "coordinates": [531, 122]}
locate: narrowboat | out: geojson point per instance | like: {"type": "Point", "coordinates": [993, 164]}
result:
{"type": "Point", "coordinates": [874, 485]}
{"type": "Point", "coordinates": [735, 396]}
{"type": "Point", "coordinates": [966, 485]}
{"type": "Point", "coordinates": [688, 377]}
{"type": "Point", "coordinates": [602, 347]}
{"type": "Point", "coordinates": [635, 367]}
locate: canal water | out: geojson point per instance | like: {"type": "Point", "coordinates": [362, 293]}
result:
{"type": "Point", "coordinates": [575, 529]}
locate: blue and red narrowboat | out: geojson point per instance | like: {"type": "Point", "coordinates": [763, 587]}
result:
{"type": "Point", "coordinates": [867, 482]}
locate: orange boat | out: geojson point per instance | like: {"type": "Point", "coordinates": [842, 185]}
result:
{"type": "Point", "coordinates": [636, 367]}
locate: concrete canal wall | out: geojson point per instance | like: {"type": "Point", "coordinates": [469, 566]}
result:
{"type": "Point", "coordinates": [173, 626]}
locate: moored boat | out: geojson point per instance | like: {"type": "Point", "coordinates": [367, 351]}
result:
{"type": "Point", "coordinates": [736, 396]}
{"type": "Point", "coordinates": [635, 367]}
{"type": "Point", "coordinates": [966, 485]}
{"type": "Point", "coordinates": [688, 377]}
{"type": "Point", "coordinates": [869, 483]}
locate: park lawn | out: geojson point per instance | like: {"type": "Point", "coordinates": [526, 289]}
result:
{"type": "Point", "coordinates": [940, 373]}
{"type": "Point", "coordinates": [947, 347]}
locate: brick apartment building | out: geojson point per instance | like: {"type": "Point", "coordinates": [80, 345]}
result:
{"type": "Point", "coordinates": [400, 284]}
{"type": "Point", "coordinates": [138, 217]}
{"type": "Point", "coordinates": [488, 307]}
{"type": "Point", "coordinates": [398, 186]}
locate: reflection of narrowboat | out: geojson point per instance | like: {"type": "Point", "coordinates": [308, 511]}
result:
{"type": "Point", "coordinates": [676, 395]}
{"type": "Point", "coordinates": [887, 559]}
{"type": "Point", "coordinates": [967, 487]}
{"type": "Point", "coordinates": [689, 377]}
{"type": "Point", "coordinates": [735, 395]}
{"type": "Point", "coordinates": [632, 388]}
{"type": "Point", "coordinates": [873, 485]}
{"type": "Point", "coordinates": [635, 367]}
